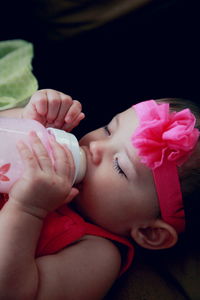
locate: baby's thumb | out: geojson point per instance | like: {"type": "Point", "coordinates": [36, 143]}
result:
{"type": "Point", "coordinates": [73, 193]}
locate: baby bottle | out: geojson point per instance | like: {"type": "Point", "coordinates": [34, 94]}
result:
{"type": "Point", "coordinates": [12, 130]}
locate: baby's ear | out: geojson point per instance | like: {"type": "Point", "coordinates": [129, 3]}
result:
{"type": "Point", "coordinates": [158, 235]}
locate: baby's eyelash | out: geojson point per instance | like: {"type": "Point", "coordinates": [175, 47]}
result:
{"type": "Point", "coordinates": [117, 167]}
{"type": "Point", "coordinates": [106, 129]}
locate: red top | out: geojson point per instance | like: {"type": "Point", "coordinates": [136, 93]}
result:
{"type": "Point", "coordinates": [64, 227]}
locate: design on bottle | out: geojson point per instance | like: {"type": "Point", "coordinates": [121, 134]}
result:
{"type": "Point", "coordinates": [3, 170]}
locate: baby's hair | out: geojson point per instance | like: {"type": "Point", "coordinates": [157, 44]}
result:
{"type": "Point", "coordinates": [189, 172]}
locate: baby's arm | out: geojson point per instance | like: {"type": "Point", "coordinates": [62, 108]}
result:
{"type": "Point", "coordinates": [51, 108]}
{"type": "Point", "coordinates": [12, 113]}
{"type": "Point", "coordinates": [85, 270]}
{"type": "Point", "coordinates": [42, 188]}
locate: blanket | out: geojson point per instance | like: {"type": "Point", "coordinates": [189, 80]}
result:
{"type": "Point", "coordinates": [17, 82]}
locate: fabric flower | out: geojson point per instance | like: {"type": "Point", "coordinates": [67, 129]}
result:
{"type": "Point", "coordinates": [163, 134]}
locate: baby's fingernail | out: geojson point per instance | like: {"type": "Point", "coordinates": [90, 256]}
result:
{"type": "Point", "coordinates": [33, 133]}
{"type": "Point", "coordinates": [68, 120]}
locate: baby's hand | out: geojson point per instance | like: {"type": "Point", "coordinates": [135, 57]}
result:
{"type": "Point", "coordinates": [54, 109]}
{"type": "Point", "coordinates": [43, 187]}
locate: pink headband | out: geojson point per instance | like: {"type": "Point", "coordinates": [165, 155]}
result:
{"type": "Point", "coordinates": [164, 141]}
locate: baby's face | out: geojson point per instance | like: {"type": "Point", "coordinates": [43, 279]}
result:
{"type": "Point", "coordinates": [118, 191]}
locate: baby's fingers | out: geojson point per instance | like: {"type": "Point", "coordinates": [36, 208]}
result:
{"type": "Point", "coordinates": [28, 158]}
{"type": "Point", "coordinates": [73, 193]}
{"type": "Point", "coordinates": [63, 161]}
{"type": "Point", "coordinates": [41, 154]}
{"type": "Point", "coordinates": [73, 112]}
{"type": "Point", "coordinates": [66, 102]}
{"type": "Point", "coordinates": [54, 102]}
{"type": "Point", "coordinates": [75, 122]}
{"type": "Point", "coordinates": [40, 102]}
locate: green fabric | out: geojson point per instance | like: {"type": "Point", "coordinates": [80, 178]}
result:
{"type": "Point", "coordinates": [17, 82]}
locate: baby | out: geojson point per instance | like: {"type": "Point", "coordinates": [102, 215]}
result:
{"type": "Point", "coordinates": [138, 167]}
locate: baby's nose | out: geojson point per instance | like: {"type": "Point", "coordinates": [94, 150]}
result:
{"type": "Point", "coordinates": [96, 150]}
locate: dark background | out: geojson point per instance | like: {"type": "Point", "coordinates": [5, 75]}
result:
{"type": "Point", "coordinates": [150, 53]}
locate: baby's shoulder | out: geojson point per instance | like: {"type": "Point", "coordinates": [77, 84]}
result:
{"type": "Point", "coordinates": [102, 248]}
{"type": "Point", "coordinates": [98, 262]}
{"type": "Point", "coordinates": [92, 262]}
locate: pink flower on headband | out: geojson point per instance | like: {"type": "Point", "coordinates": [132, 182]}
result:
{"type": "Point", "coordinates": [164, 134]}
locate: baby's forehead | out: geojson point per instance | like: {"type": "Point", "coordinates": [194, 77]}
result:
{"type": "Point", "coordinates": [128, 123]}
{"type": "Point", "coordinates": [124, 113]}
{"type": "Point", "coordinates": [129, 119]}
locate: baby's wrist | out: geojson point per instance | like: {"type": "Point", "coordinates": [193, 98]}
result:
{"type": "Point", "coordinates": [33, 211]}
